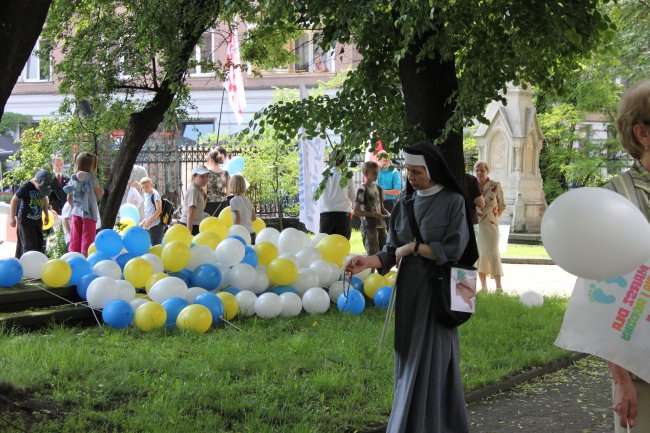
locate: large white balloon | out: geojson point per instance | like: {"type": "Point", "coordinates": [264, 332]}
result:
{"type": "Point", "coordinates": [268, 306]}
{"type": "Point", "coordinates": [306, 279]}
{"type": "Point", "coordinates": [307, 256]}
{"type": "Point", "coordinates": [154, 261]}
{"type": "Point", "coordinates": [246, 301]}
{"type": "Point", "coordinates": [241, 231]}
{"type": "Point", "coordinates": [199, 255]}
{"type": "Point", "coordinates": [292, 240]}
{"type": "Point", "coordinates": [291, 257]}
{"type": "Point", "coordinates": [316, 301]}
{"type": "Point", "coordinates": [230, 252]}
{"type": "Point", "coordinates": [261, 281]}
{"type": "Point", "coordinates": [125, 290]}
{"type": "Point", "coordinates": [335, 289]}
{"type": "Point", "coordinates": [135, 303]}
{"type": "Point", "coordinates": [291, 304]}
{"type": "Point", "coordinates": [101, 291]}
{"type": "Point", "coordinates": [268, 234]}
{"type": "Point", "coordinates": [335, 274]}
{"type": "Point", "coordinates": [32, 263]}
{"type": "Point", "coordinates": [167, 288]}
{"type": "Point", "coordinates": [242, 276]}
{"type": "Point", "coordinates": [108, 268]}
{"type": "Point", "coordinates": [324, 272]}
{"type": "Point", "coordinates": [70, 255]}
{"type": "Point", "coordinates": [225, 276]}
{"type": "Point", "coordinates": [595, 233]}
{"type": "Point", "coordinates": [193, 292]}
{"type": "Point", "coordinates": [317, 238]}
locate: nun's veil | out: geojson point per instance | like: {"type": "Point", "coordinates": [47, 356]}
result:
{"type": "Point", "coordinates": [440, 173]}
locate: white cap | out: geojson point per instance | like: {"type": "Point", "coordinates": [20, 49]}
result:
{"type": "Point", "coordinates": [412, 159]}
{"type": "Point", "coordinates": [200, 169]}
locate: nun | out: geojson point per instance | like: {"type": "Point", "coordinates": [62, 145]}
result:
{"type": "Point", "coordinates": [428, 393]}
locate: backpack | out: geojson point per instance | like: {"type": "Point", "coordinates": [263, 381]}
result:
{"type": "Point", "coordinates": [167, 210]}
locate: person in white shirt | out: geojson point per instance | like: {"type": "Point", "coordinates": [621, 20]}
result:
{"type": "Point", "coordinates": [65, 222]}
{"type": "Point", "coordinates": [152, 211]}
{"type": "Point", "coordinates": [336, 204]}
{"type": "Point", "coordinates": [243, 212]}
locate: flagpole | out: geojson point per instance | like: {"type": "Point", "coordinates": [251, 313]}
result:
{"type": "Point", "coordinates": [223, 94]}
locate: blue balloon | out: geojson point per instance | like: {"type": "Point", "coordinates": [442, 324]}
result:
{"type": "Point", "coordinates": [185, 275]}
{"type": "Point", "coordinates": [284, 289]}
{"type": "Point", "coordinates": [11, 271]}
{"type": "Point", "coordinates": [207, 276]}
{"type": "Point", "coordinates": [382, 296]}
{"type": "Point", "coordinates": [118, 313]}
{"type": "Point", "coordinates": [109, 242]}
{"type": "Point", "coordinates": [97, 257]}
{"type": "Point", "coordinates": [127, 210]}
{"type": "Point", "coordinates": [84, 282]}
{"type": "Point", "coordinates": [173, 306]}
{"type": "Point", "coordinates": [213, 303]}
{"type": "Point", "coordinates": [351, 302]}
{"type": "Point", "coordinates": [239, 238]}
{"type": "Point", "coordinates": [137, 240]}
{"type": "Point", "coordinates": [231, 290]}
{"type": "Point", "coordinates": [357, 283]}
{"type": "Point", "coordinates": [79, 267]}
{"type": "Point", "coordinates": [236, 165]}
{"type": "Point", "coordinates": [123, 259]}
{"type": "Point", "coordinates": [250, 256]}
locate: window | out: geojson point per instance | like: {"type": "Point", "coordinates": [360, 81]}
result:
{"type": "Point", "coordinates": [193, 131]}
{"type": "Point", "coordinates": [203, 53]}
{"type": "Point", "coordinates": [311, 57]}
{"type": "Point", "coordinates": [38, 67]}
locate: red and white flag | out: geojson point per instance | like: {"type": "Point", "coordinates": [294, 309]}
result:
{"type": "Point", "coordinates": [234, 83]}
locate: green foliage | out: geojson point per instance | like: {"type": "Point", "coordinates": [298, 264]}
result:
{"type": "Point", "coordinates": [11, 122]}
{"type": "Point", "coordinates": [56, 243]}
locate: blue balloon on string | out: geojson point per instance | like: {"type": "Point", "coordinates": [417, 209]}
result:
{"type": "Point", "coordinates": [207, 276]}
{"type": "Point", "coordinates": [213, 303]}
{"type": "Point", "coordinates": [250, 256]}
{"type": "Point", "coordinates": [118, 313]}
{"type": "Point", "coordinates": [109, 242]}
{"type": "Point", "coordinates": [357, 283]}
{"type": "Point", "coordinates": [236, 165]}
{"type": "Point", "coordinates": [173, 306]}
{"type": "Point", "coordinates": [79, 267]}
{"type": "Point", "coordinates": [351, 301]}
{"type": "Point", "coordinates": [123, 259]}
{"type": "Point", "coordinates": [382, 296]}
{"type": "Point", "coordinates": [137, 240]}
{"type": "Point", "coordinates": [11, 271]}
{"type": "Point", "coordinates": [97, 257]}
{"type": "Point", "coordinates": [128, 210]}
{"type": "Point", "coordinates": [84, 282]}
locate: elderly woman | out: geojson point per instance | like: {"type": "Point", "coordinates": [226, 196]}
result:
{"type": "Point", "coordinates": [489, 259]}
{"type": "Point", "coordinates": [633, 125]}
{"type": "Point", "coordinates": [428, 390]}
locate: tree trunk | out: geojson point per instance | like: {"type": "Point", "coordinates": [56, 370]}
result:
{"type": "Point", "coordinates": [427, 86]}
{"type": "Point", "coordinates": [21, 22]}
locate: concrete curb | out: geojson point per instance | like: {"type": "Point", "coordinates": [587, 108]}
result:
{"type": "Point", "coordinates": [527, 261]}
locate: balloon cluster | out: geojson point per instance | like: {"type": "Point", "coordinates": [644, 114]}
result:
{"type": "Point", "coordinates": [194, 282]}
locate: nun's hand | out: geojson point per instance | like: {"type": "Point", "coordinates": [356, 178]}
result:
{"type": "Point", "coordinates": [404, 251]}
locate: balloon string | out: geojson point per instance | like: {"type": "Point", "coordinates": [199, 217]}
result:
{"type": "Point", "coordinates": [231, 324]}
{"type": "Point", "coordinates": [73, 303]}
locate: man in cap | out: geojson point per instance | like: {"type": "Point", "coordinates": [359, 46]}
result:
{"type": "Point", "coordinates": [30, 206]}
{"type": "Point", "coordinates": [195, 199]}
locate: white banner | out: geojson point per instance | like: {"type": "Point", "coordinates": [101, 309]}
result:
{"type": "Point", "coordinates": [610, 319]}
{"type": "Point", "coordinates": [312, 164]}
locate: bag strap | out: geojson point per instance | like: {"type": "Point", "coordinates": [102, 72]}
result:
{"type": "Point", "coordinates": [410, 213]}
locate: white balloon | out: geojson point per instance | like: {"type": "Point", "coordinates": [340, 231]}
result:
{"type": "Point", "coordinates": [241, 231]}
{"type": "Point", "coordinates": [291, 257]}
{"type": "Point", "coordinates": [307, 256]}
{"type": "Point", "coordinates": [595, 233]}
{"type": "Point", "coordinates": [242, 276]}
{"type": "Point", "coordinates": [70, 255]}
{"type": "Point", "coordinates": [125, 290]}
{"type": "Point", "coordinates": [261, 281]}
{"type": "Point", "coordinates": [225, 276]}
{"type": "Point", "coordinates": [108, 268]}
{"type": "Point", "coordinates": [291, 304]}
{"type": "Point", "coordinates": [316, 301]}
{"type": "Point", "coordinates": [135, 303]}
{"type": "Point", "coordinates": [292, 240]}
{"type": "Point", "coordinates": [32, 263]}
{"type": "Point", "coordinates": [230, 252]}
{"type": "Point", "coordinates": [154, 261]}
{"type": "Point", "coordinates": [323, 270]}
{"type": "Point", "coordinates": [167, 288]}
{"type": "Point", "coordinates": [531, 298]}
{"type": "Point", "coordinates": [316, 239]}
{"type": "Point", "coordinates": [268, 306]}
{"type": "Point", "coordinates": [306, 279]}
{"type": "Point", "coordinates": [335, 289]}
{"type": "Point", "coordinates": [101, 291]}
{"type": "Point", "coordinates": [335, 274]}
{"type": "Point", "coordinates": [246, 301]}
{"type": "Point", "coordinates": [199, 255]}
{"type": "Point", "coordinates": [363, 274]}
{"type": "Point", "coordinates": [193, 292]}
{"type": "Point", "coordinates": [268, 234]}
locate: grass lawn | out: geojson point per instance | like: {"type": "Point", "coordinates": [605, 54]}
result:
{"type": "Point", "coordinates": [308, 374]}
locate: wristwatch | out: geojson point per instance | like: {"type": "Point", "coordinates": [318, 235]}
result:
{"type": "Point", "coordinates": [416, 249]}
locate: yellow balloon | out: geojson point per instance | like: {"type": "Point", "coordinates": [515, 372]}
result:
{"type": "Point", "coordinates": [213, 224]}
{"type": "Point", "coordinates": [126, 223]}
{"type": "Point", "coordinates": [153, 279]}
{"type": "Point", "coordinates": [194, 317]}
{"type": "Point", "coordinates": [225, 216]}
{"type": "Point", "coordinates": [334, 248]}
{"type": "Point", "coordinates": [391, 277]}
{"type": "Point", "coordinates": [259, 225]}
{"type": "Point", "coordinates": [230, 305]}
{"type": "Point", "coordinates": [178, 232]}
{"type": "Point", "coordinates": [137, 272]}
{"type": "Point", "coordinates": [266, 252]}
{"type": "Point", "coordinates": [175, 256]}
{"type": "Point", "coordinates": [92, 248]}
{"type": "Point", "coordinates": [372, 283]}
{"type": "Point", "coordinates": [150, 316]}
{"type": "Point", "coordinates": [282, 271]}
{"type": "Point", "coordinates": [156, 249]}
{"type": "Point", "coordinates": [50, 221]}
{"type": "Point", "coordinates": [208, 239]}
{"type": "Point", "coordinates": [56, 273]}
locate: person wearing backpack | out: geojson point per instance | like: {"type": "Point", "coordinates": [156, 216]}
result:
{"type": "Point", "coordinates": [152, 211]}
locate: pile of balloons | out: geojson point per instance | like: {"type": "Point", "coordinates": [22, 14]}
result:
{"type": "Point", "coordinates": [194, 282]}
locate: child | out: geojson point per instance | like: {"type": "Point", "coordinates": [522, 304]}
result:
{"type": "Point", "coordinates": [32, 197]}
{"type": "Point", "coordinates": [241, 207]}
{"type": "Point", "coordinates": [65, 222]}
{"type": "Point", "coordinates": [369, 205]}
{"type": "Point", "coordinates": [152, 211]}
{"type": "Point", "coordinates": [195, 199]}
{"type": "Point", "coordinates": [83, 192]}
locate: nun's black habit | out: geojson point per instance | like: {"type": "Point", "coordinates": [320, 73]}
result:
{"type": "Point", "coordinates": [428, 390]}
